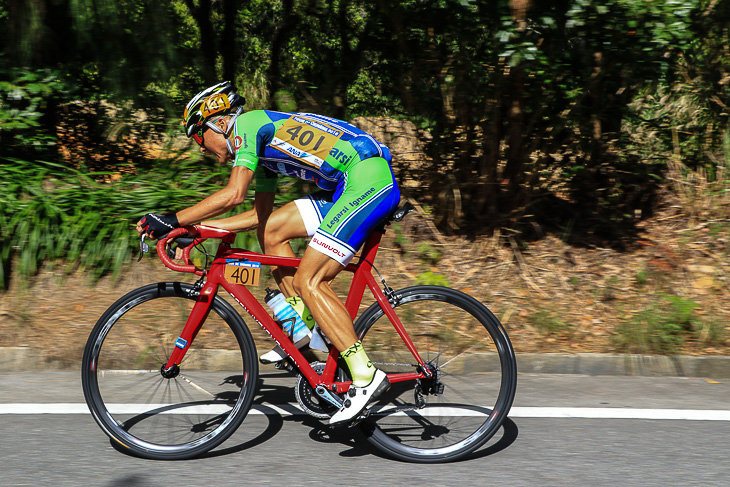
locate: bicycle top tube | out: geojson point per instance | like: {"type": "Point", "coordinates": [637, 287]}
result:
{"type": "Point", "coordinates": [204, 232]}
{"type": "Point", "coordinates": [224, 252]}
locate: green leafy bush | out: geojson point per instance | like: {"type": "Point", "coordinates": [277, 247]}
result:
{"type": "Point", "coordinates": [25, 96]}
{"type": "Point", "coordinates": [431, 278]}
{"type": "Point", "coordinates": [50, 214]}
{"type": "Point", "coordinates": [550, 323]}
{"type": "Point", "coordinates": [428, 254]}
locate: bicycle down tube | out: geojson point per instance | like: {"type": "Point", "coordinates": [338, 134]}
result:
{"type": "Point", "coordinates": [215, 277]}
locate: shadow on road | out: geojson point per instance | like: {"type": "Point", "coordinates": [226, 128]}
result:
{"type": "Point", "coordinates": [353, 438]}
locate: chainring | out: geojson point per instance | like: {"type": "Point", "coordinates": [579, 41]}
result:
{"type": "Point", "coordinates": [309, 401]}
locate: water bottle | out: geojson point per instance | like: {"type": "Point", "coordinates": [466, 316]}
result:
{"type": "Point", "coordinates": [316, 341]}
{"type": "Point", "coordinates": [290, 321]}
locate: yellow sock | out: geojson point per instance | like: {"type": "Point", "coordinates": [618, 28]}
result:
{"type": "Point", "coordinates": [298, 304]}
{"type": "Point", "coordinates": [361, 368]}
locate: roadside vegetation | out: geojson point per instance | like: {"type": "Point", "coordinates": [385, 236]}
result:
{"type": "Point", "coordinates": [569, 161]}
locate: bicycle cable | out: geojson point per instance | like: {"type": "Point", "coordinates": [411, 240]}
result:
{"type": "Point", "coordinates": [387, 290]}
{"type": "Point", "coordinates": [200, 248]}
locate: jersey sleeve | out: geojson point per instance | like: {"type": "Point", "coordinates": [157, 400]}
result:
{"type": "Point", "coordinates": [246, 138]}
{"type": "Point", "coordinates": [247, 159]}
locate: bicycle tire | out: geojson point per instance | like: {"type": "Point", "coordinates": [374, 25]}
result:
{"type": "Point", "coordinates": [168, 418]}
{"type": "Point", "coordinates": [468, 350]}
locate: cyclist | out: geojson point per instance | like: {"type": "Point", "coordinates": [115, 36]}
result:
{"type": "Point", "coordinates": [359, 191]}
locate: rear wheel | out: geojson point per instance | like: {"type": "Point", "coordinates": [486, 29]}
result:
{"type": "Point", "coordinates": [474, 375]}
{"type": "Point", "coordinates": [181, 413]}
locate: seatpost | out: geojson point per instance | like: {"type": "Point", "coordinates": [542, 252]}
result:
{"type": "Point", "coordinates": [370, 249]}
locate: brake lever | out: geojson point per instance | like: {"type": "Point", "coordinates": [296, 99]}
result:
{"type": "Point", "coordinates": [143, 247]}
{"type": "Point", "coordinates": [182, 242]}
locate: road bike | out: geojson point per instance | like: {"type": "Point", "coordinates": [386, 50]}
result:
{"type": "Point", "coordinates": [170, 370]}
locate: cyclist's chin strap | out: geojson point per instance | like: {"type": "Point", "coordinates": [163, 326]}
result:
{"type": "Point", "coordinates": [229, 129]}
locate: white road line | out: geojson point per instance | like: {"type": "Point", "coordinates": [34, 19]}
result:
{"type": "Point", "coordinates": [293, 409]}
{"type": "Point", "coordinates": [621, 413]}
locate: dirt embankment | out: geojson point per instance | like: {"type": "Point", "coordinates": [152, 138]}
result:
{"type": "Point", "coordinates": [667, 293]}
{"type": "Point", "coordinates": [551, 298]}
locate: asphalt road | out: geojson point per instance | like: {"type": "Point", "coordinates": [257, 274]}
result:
{"type": "Point", "coordinates": [583, 448]}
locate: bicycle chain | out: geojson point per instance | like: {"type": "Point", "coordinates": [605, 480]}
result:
{"type": "Point", "coordinates": [399, 365]}
{"type": "Point", "coordinates": [396, 365]}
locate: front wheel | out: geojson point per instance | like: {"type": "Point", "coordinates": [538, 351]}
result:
{"type": "Point", "coordinates": [178, 414]}
{"type": "Point", "coordinates": [473, 367]}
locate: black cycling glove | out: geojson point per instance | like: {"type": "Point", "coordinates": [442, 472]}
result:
{"type": "Point", "coordinates": [156, 225]}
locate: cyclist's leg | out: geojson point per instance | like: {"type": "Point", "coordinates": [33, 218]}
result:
{"type": "Point", "coordinates": [312, 282]}
{"type": "Point", "coordinates": [274, 236]}
{"type": "Point", "coordinates": [368, 195]}
{"type": "Point", "coordinates": [299, 218]}
{"type": "Point", "coordinates": [296, 219]}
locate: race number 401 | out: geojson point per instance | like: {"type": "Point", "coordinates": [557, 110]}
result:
{"type": "Point", "coordinates": [244, 273]}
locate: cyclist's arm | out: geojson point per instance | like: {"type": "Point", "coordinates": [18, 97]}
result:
{"type": "Point", "coordinates": [221, 201]}
{"type": "Point", "coordinates": [248, 220]}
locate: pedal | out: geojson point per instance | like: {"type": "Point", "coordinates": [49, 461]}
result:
{"type": "Point", "coordinates": [359, 418]}
{"type": "Point", "coordinates": [355, 421]}
{"type": "Point", "coordinates": [284, 365]}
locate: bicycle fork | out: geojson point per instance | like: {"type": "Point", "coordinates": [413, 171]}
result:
{"type": "Point", "coordinates": [192, 326]}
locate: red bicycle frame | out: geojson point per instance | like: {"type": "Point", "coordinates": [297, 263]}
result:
{"type": "Point", "coordinates": [215, 277]}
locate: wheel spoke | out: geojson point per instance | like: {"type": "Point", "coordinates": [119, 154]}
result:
{"type": "Point", "coordinates": [423, 424]}
{"type": "Point", "coordinates": [177, 417]}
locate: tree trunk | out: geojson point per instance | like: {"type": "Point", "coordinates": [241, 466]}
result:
{"type": "Point", "coordinates": [515, 116]}
{"type": "Point", "coordinates": [490, 154]}
{"type": "Point", "coordinates": [281, 37]}
{"type": "Point", "coordinates": [228, 42]}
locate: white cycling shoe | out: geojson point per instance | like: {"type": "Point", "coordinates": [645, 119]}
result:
{"type": "Point", "coordinates": [357, 398]}
{"type": "Point", "coordinates": [277, 353]}
{"type": "Point", "coordinates": [314, 340]}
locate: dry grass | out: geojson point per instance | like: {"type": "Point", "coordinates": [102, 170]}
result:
{"type": "Point", "coordinates": [550, 296]}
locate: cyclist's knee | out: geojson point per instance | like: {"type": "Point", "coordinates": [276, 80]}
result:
{"type": "Point", "coordinates": [269, 237]}
{"type": "Point", "coordinates": [304, 284]}
{"type": "Point", "coordinates": [316, 270]}
{"type": "Point", "coordinates": [273, 233]}
{"type": "Point", "coordinates": [307, 284]}
{"type": "Point", "coordinates": [281, 227]}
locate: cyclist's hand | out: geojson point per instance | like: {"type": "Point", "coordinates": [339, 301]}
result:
{"type": "Point", "coordinates": [156, 225]}
{"type": "Point", "coordinates": [182, 242]}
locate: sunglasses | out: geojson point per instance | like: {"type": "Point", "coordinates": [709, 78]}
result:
{"type": "Point", "coordinates": [198, 137]}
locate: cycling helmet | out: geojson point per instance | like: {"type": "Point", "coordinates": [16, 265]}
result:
{"type": "Point", "coordinates": [215, 101]}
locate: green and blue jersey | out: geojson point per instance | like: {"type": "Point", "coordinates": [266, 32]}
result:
{"type": "Point", "coordinates": [341, 159]}
{"type": "Point", "coordinates": [302, 145]}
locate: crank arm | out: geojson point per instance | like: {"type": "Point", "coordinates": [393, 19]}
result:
{"type": "Point", "coordinates": [327, 395]}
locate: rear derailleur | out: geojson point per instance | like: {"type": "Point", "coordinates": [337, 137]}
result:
{"type": "Point", "coordinates": [428, 385]}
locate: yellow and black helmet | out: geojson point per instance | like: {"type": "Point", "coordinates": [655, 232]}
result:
{"type": "Point", "coordinates": [217, 100]}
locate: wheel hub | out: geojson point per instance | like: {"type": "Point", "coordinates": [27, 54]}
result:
{"type": "Point", "coordinates": [432, 385]}
{"type": "Point", "coordinates": [170, 372]}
